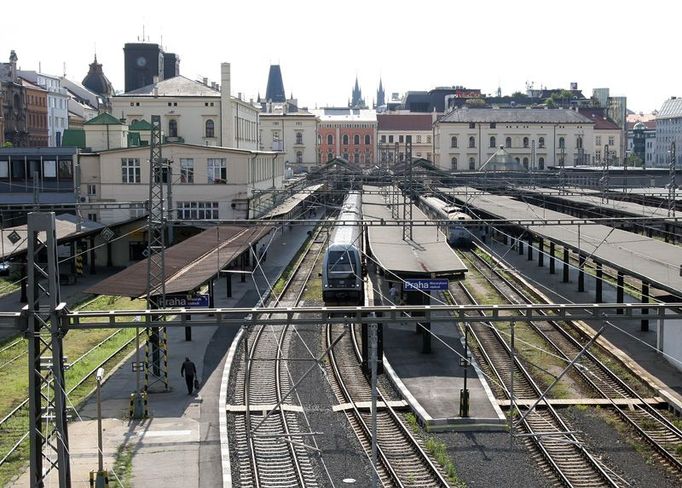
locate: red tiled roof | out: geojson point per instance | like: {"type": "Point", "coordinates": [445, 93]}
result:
{"type": "Point", "coordinates": [601, 121]}
{"type": "Point", "coordinates": [404, 121]}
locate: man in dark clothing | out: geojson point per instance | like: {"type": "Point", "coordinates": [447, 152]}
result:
{"type": "Point", "coordinates": [189, 371]}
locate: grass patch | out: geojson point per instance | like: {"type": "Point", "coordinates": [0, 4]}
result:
{"type": "Point", "coordinates": [8, 285]}
{"type": "Point", "coordinates": [313, 290]}
{"type": "Point", "coordinates": [438, 450]}
{"type": "Point", "coordinates": [79, 347]}
{"type": "Point", "coordinates": [123, 467]}
{"type": "Point", "coordinates": [411, 420]}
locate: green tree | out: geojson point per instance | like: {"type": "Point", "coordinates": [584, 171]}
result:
{"type": "Point", "coordinates": [550, 103]}
{"type": "Point", "coordinates": [634, 161]}
{"type": "Point", "coordinates": [7, 144]}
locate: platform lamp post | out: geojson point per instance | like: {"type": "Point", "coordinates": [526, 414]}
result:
{"type": "Point", "coordinates": [465, 362]}
{"type": "Point", "coordinates": [100, 478]}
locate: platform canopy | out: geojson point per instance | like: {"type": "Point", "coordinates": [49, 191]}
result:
{"type": "Point", "coordinates": [292, 202]}
{"type": "Point", "coordinates": [647, 259]}
{"type": "Point", "coordinates": [189, 264]}
{"type": "Point", "coordinates": [427, 255]}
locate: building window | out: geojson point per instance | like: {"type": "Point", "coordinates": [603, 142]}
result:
{"type": "Point", "coordinates": [330, 139]}
{"type": "Point", "coordinates": [299, 138]}
{"type": "Point", "coordinates": [299, 157]}
{"type": "Point", "coordinates": [344, 140]}
{"type": "Point", "coordinates": [186, 170]}
{"type": "Point", "coordinates": [368, 140]}
{"type": "Point", "coordinates": [525, 142]}
{"type": "Point", "coordinates": [92, 217]}
{"type": "Point", "coordinates": [507, 143]}
{"type": "Point", "coordinates": [357, 157]}
{"type": "Point", "coordinates": [210, 128]}
{"type": "Point", "coordinates": [345, 156]}
{"type": "Point", "coordinates": [453, 141]}
{"type": "Point", "coordinates": [579, 142]}
{"type": "Point", "coordinates": [130, 169]}
{"type": "Point", "coordinates": [217, 170]}
{"type": "Point", "coordinates": [562, 143]}
{"type": "Point", "coordinates": [172, 128]}
{"type": "Point", "coordinates": [612, 141]}
{"type": "Point", "coordinates": [330, 156]}
{"type": "Point", "coordinates": [419, 139]}
{"type": "Point", "coordinates": [472, 164]}
{"type": "Point", "coordinates": [472, 125]}
{"type": "Point", "coordinates": [356, 139]}
{"type": "Point", "coordinates": [597, 155]}
{"type": "Point", "coordinates": [92, 190]}
{"type": "Point", "coordinates": [428, 139]}
{"type": "Point", "coordinates": [493, 125]}
{"type": "Point", "coordinates": [525, 163]}
{"type": "Point", "coordinates": [597, 140]}
{"type": "Point", "coordinates": [493, 141]}
{"type": "Point", "coordinates": [541, 142]}
{"type": "Point", "coordinates": [472, 141]}
{"type": "Point", "coordinates": [383, 138]}
{"type": "Point", "coordinates": [198, 210]}
{"type": "Point", "coordinates": [541, 163]}
{"type": "Point", "coordinates": [453, 164]}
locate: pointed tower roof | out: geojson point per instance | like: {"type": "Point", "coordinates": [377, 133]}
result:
{"type": "Point", "coordinates": [275, 90]}
{"type": "Point", "coordinates": [96, 81]}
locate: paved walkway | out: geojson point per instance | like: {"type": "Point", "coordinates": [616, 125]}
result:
{"type": "Point", "coordinates": [431, 383]}
{"type": "Point", "coordinates": [179, 446]}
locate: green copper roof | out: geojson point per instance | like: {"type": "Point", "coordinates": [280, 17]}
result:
{"type": "Point", "coordinates": [104, 119]}
{"type": "Point", "coordinates": [140, 125]}
{"type": "Point", "coordinates": [74, 138]}
{"type": "Point", "coordinates": [133, 139]}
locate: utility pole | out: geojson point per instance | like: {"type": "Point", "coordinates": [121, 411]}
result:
{"type": "Point", "coordinates": [48, 433]}
{"type": "Point", "coordinates": [672, 186]}
{"type": "Point", "coordinates": [373, 368]}
{"type": "Point", "coordinates": [605, 175]}
{"type": "Point", "coordinates": [156, 353]}
{"type": "Point", "coordinates": [407, 198]}
{"type": "Point", "coordinates": [562, 170]}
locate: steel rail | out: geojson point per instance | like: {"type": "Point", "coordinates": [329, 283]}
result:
{"type": "Point", "coordinates": [627, 391]}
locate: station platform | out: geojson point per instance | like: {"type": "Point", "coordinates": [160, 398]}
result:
{"type": "Point", "coordinates": [431, 383]}
{"type": "Point", "coordinates": [180, 445]}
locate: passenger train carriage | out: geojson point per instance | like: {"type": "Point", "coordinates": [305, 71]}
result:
{"type": "Point", "coordinates": [458, 235]}
{"type": "Point", "coordinates": [342, 271]}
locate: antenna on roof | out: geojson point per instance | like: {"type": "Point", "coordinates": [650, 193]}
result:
{"type": "Point", "coordinates": [64, 70]}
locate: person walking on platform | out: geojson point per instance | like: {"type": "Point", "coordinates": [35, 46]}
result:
{"type": "Point", "coordinates": [189, 371]}
{"type": "Point", "coordinates": [393, 293]}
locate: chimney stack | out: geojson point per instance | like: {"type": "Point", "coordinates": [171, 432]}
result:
{"type": "Point", "coordinates": [13, 65]}
{"type": "Point", "coordinates": [226, 124]}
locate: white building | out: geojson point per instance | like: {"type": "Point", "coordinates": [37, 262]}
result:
{"type": "Point", "coordinates": [401, 128]}
{"type": "Point", "coordinates": [194, 112]}
{"type": "Point", "coordinates": [57, 104]}
{"type": "Point", "coordinates": [668, 130]}
{"type": "Point", "coordinates": [466, 138]}
{"type": "Point", "coordinates": [293, 133]}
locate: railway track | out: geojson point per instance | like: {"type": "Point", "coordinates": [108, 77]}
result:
{"type": "Point", "coordinates": [402, 460]}
{"type": "Point", "coordinates": [273, 451]}
{"type": "Point", "coordinates": [645, 420]}
{"type": "Point", "coordinates": [15, 423]}
{"type": "Point", "coordinates": [561, 451]}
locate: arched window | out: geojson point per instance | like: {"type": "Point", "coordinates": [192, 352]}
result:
{"type": "Point", "coordinates": [517, 160]}
{"type": "Point", "coordinates": [210, 128]}
{"type": "Point", "coordinates": [507, 142]}
{"type": "Point", "coordinates": [579, 142]}
{"type": "Point", "coordinates": [299, 138]}
{"type": "Point", "coordinates": [472, 141]}
{"type": "Point", "coordinates": [368, 140]}
{"type": "Point", "coordinates": [330, 139]}
{"type": "Point", "coordinates": [330, 156]}
{"type": "Point", "coordinates": [453, 141]}
{"type": "Point", "coordinates": [541, 163]}
{"type": "Point", "coordinates": [525, 163]}
{"type": "Point", "coordinates": [453, 162]}
{"type": "Point", "coordinates": [345, 156]}
{"type": "Point", "coordinates": [525, 142]}
{"type": "Point", "coordinates": [299, 157]}
{"type": "Point", "coordinates": [356, 140]}
{"type": "Point", "coordinates": [493, 141]}
{"type": "Point", "coordinates": [172, 128]}
{"type": "Point", "coordinates": [472, 164]}
{"type": "Point", "coordinates": [344, 140]}
{"type": "Point", "coordinates": [562, 142]}
{"type": "Point", "coordinates": [356, 157]}
{"type": "Point", "coordinates": [541, 142]}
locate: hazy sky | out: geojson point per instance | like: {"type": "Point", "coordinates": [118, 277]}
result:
{"type": "Point", "coordinates": [322, 45]}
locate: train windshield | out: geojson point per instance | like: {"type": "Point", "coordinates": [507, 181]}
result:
{"type": "Point", "coordinates": [340, 262]}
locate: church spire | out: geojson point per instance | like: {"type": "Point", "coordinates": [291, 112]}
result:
{"type": "Point", "coordinates": [356, 100]}
{"type": "Point", "coordinates": [381, 96]}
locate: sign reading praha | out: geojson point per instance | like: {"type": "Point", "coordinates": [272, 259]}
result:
{"type": "Point", "coordinates": [184, 301]}
{"type": "Point", "coordinates": [435, 284]}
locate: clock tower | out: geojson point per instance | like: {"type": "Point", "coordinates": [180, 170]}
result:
{"type": "Point", "coordinates": [143, 61]}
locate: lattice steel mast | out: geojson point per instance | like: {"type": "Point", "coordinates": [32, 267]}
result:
{"type": "Point", "coordinates": [156, 348]}
{"type": "Point", "coordinates": [672, 186]}
{"type": "Point", "coordinates": [48, 433]}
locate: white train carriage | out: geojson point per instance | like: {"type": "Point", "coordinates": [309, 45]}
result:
{"type": "Point", "coordinates": [458, 234]}
{"type": "Point", "coordinates": [342, 272]}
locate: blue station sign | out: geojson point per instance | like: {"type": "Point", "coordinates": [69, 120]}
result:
{"type": "Point", "coordinates": [184, 301]}
{"type": "Point", "coordinates": [435, 284]}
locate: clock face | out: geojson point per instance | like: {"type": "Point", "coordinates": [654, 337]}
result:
{"type": "Point", "coordinates": [141, 61]}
